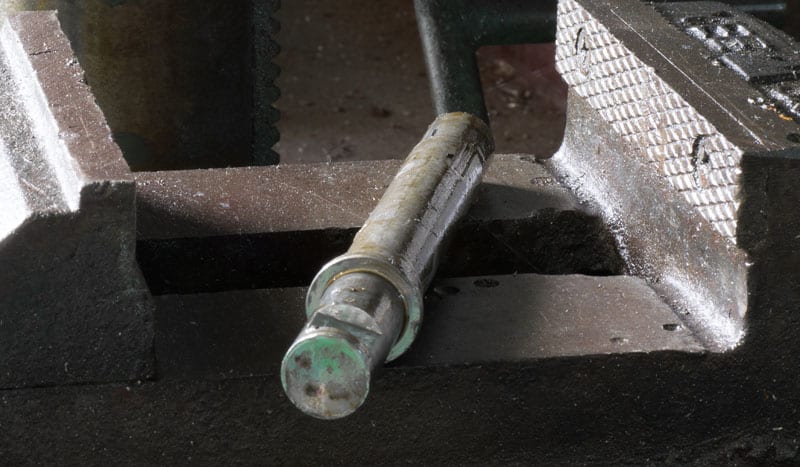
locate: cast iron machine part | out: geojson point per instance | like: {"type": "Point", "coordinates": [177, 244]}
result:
{"type": "Point", "coordinates": [655, 373]}
{"type": "Point", "coordinates": [365, 307]}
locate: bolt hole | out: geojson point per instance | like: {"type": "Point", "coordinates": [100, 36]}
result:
{"type": "Point", "coordinates": [793, 137]}
{"type": "Point", "coordinates": [450, 156]}
{"type": "Point", "coordinates": [486, 283]}
{"type": "Point", "coordinates": [671, 327]}
{"type": "Point", "coordinates": [619, 340]}
{"type": "Point", "coordinates": [443, 290]}
{"type": "Point", "coordinates": [434, 131]}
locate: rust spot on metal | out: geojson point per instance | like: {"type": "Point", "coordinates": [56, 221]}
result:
{"type": "Point", "coordinates": [303, 361]}
{"type": "Point", "coordinates": [311, 390]}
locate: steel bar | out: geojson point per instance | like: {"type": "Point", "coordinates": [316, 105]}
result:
{"type": "Point", "coordinates": [365, 307]}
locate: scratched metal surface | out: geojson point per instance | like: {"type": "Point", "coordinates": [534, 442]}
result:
{"type": "Point", "coordinates": [633, 72]}
{"type": "Point", "coordinates": [284, 198]}
{"type": "Point", "coordinates": [27, 183]}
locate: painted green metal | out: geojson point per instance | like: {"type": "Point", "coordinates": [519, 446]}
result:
{"type": "Point", "coordinates": [451, 32]}
{"type": "Point", "coordinates": [333, 372]}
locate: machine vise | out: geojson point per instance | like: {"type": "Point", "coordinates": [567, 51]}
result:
{"type": "Point", "coordinates": [632, 297]}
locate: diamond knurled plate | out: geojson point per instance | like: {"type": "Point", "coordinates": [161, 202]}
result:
{"type": "Point", "coordinates": [675, 140]}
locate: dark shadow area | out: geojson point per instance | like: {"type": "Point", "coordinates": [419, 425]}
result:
{"type": "Point", "coordinates": [769, 231]}
{"type": "Point", "coordinates": [552, 242]}
{"type": "Point", "coordinates": [213, 264]}
{"type": "Point", "coordinates": [183, 84]}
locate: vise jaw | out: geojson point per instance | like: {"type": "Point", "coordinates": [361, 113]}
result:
{"type": "Point", "coordinates": [73, 305]}
{"type": "Point", "coordinates": [681, 127]}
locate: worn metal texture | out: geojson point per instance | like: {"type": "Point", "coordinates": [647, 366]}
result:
{"type": "Point", "coordinates": [225, 229]}
{"type": "Point", "coordinates": [763, 56]}
{"type": "Point", "coordinates": [473, 320]}
{"type": "Point", "coordinates": [74, 307]}
{"type": "Point", "coordinates": [184, 84]}
{"type": "Point", "coordinates": [527, 316]}
{"type": "Point", "coordinates": [327, 370]}
{"type": "Point", "coordinates": [632, 409]}
{"type": "Point", "coordinates": [251, 200]}
{"type": "Point", "coordinates": [679, 142]}
{"type": "Point", "coordinates": [661, 137]}
{"type": "Point", "coordinates": [365, 307]}
{"type": "Point", "coordinates": [340, 195]}
{"type": "Point", "coordinates": [659, 235]}
{"type": "Point", "coordinates": [218, 399]}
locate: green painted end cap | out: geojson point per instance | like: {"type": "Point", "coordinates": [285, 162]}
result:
{"type": "Point", "coordinates": [325, 375]}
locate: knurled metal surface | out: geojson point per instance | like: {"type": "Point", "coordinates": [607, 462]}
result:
{"type": "Point", "coordinates": [674, 138]}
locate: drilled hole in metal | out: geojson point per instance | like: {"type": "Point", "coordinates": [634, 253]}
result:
{"type": "Point", "coordinates": [486, 283]}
